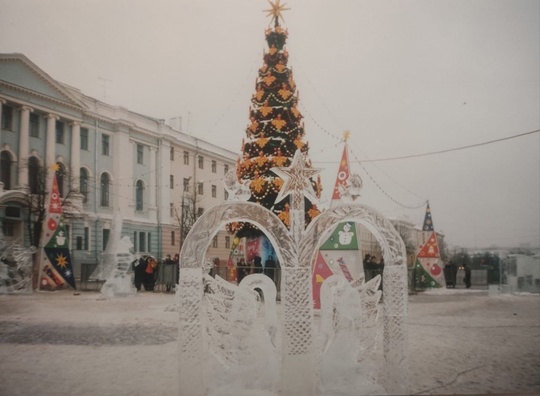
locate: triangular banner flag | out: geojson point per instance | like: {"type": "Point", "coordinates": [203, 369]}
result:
{"type": "Point", "coordinates": [343, 174]}
{"type": "Point", "coordinates": [320, 273]}
{"type": "Point", "coordinates": [56, 267]}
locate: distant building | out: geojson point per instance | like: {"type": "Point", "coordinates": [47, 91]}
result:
{"type": "Point", "coordinates": [521, 273]}
{"type": "Point", "coordinates": [109, 158]}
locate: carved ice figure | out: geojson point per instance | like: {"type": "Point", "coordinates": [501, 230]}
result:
{"type": "Point", "coordinates": [16, 277]}
{"type": "Point", "coordinates": [344, 320]}
{"type": "Point", "coordinates": [238, 190]}
{"type": "Point", "coordinates": [116, 263]}
{"type": "Point", "coordinates": [351, 191]}
{"type": "Point", "coordinates": [120, 280]}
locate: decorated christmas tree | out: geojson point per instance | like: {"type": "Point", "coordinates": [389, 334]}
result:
{"type": "Point", "coordinates": [275, 131]}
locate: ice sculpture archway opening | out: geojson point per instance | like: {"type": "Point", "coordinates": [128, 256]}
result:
{"type": "Point", "coordinates": [296, 257]}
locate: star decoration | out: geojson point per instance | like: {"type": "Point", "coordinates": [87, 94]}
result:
{"type": "Point", "coordinates": [275, 11]}
{"type": "Point", "coordinates": [296, 178]}
{"type": "Point", "coordinates": [61, 260]}
{"type": "Point", "coordinates": [55, 167]}
{"type": "Point", "coordinates": [278, 123]}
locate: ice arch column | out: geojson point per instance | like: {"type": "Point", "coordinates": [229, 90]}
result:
{"type": "Point", "coordinates": [395, 292]}
{"type": "Point", "coordinates": [190, 296]}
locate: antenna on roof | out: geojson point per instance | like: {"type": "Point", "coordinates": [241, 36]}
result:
{"type": "Point", "coordinates": [104, 80]}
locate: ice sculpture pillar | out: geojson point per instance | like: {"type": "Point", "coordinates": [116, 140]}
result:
{"type": "Point", "coordinates": [298, 371]}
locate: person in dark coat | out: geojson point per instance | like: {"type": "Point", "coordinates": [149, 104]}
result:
{"type": "Point", "coordinates": [467, 279]}
{"type": "Point", "coordinates": [144, 273]}
{"type": "Point", "coordinates": [270, 268]}
{"type": "Point", "coordinates": [257, 265]}
{"type": "Point", "coordinates": [241, 270]}
{"type": "Point", "coordinates": [367, 266]}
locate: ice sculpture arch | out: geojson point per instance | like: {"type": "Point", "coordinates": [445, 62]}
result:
{"type": "Point", "coordinates": [298, 368]}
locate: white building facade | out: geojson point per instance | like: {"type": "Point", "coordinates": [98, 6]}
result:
{"type": "Point", "coordinates": [109, 159]}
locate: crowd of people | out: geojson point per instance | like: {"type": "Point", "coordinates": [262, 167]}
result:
{"type": "Point", "coordinates": [255, 267]}
{"type": "Point", "coordinates": [148, 271]}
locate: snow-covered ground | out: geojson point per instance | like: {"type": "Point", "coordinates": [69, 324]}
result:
{"type": "Point", "coordinates": [62, 343]}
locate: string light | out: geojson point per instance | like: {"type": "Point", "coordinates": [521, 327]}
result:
{"type": "Point", "coordinates": [339, 140]}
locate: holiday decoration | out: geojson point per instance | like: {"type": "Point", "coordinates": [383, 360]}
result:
{"type": "Point", "coordinates": [275, 131]}
{"type": "Point", "coordinates": [56, 268]}
{"type": "Point", "coordinates": [428, 270]}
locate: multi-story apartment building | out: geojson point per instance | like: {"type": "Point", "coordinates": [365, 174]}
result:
{"type": "Point", "coordinates": [109, 159]}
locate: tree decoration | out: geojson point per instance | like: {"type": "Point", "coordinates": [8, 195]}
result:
{"type": "Point", "coordinates": [275, 130]}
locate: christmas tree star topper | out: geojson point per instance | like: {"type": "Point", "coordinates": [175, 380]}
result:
{"type": "Point", "coordinates": [275, 11]}
{"type": "Point", "coordinates": [296, 177]}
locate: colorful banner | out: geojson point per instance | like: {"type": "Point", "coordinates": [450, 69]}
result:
{"type": "Point", "coordinates": [344, 237]}
{"type": "Point", "coordinates": [56, 267]}
{"type": "Point", "coordinates": [428, 269]}
{"type": "Point", "coordinates": [321, 271]}
{"type": "Point", "coordinates": [343, 174]}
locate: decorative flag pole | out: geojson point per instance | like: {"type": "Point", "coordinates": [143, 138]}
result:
{"type": "Point", "coordinates": [55, 268]}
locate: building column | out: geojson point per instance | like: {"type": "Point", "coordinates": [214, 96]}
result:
{"type": "Point", "coordinates": [153, 179]}
{"type": "Point", "coordinates": [75, 155]}
{"type": "Point", "coordinates": [24, 139]}
{"type": "Point", "coordinates": [2, 102]}
{"type": "Point", "coordinates": [51, 140]}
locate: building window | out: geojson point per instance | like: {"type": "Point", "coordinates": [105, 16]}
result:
{"type": "Point", "coordinates": [142, 242]}
{"type": "Point", "coordinates": [79, 243]}
{"type": "Point", "coordinates": [84, 139]}
{"type": "Point", "coordinates": [201, 162]}
{"type": "Point", "coordinates": [226, 194]}
{"type": "Point", "coordinates": [225, 169]}
{"type": "Point", "coordinates": [83, 184]}
{"type": "Point", "coordinates": [200, 188]}
{"type": "Point", "coordinates": [105, 183]}
{"type": "Point", "coordinates": [33, 175]}
{"type": "Point", "coordinates": [135, 242]}
{"type": "Point", "coordinates": [105, 144]}
{"type": "Point", "coordinates": [214, 191]}
{"type": "Point", "coordinates": [186, 184]}
{"type": "Point", "coordinates": [59, 132]}
{"type": "Point", "coordinates": [140, 153]}
{"type": "Point", "coordinates": [106, 234]}
{"type": "Point", "coordinates": [7, 118]}
{"type": "Point", "coordinates": [173, 238]}
{"type": "Point", "coordinates": [200, 212]}
{"type": "Point", "coordinates": [139, 195]}
{"type": "Point", "coordinates": [227, 242]}
{"type": "Point", "coordinates": [86, 238]}
{"type": "Point", "coordinates": [5, 169]}
{"type": "Point", "coordinates": [171, 181]}
{"type": "Point", "coordinates": [172, 153]}
{"type": "Point", "coordinates": [214, 242]}
{"type": "Point", "coordinates": [34, 125]}
{"type": "Point", "coordinates": [186, 158]}
{"type": "Point", "coordinates": [214, 166]}
{"type": "Point", "coordinates": [171, 210]}
{"type": "Point", "coordinates": [60, 173]}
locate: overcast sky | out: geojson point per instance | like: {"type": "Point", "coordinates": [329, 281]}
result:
{"type": "Point", "coordinates": [405, 77]}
